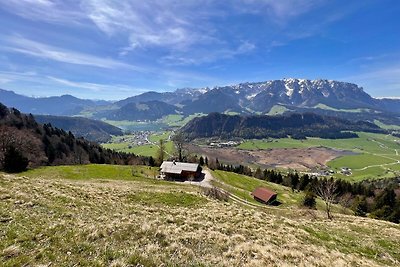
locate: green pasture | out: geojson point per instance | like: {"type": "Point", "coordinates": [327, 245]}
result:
{"type": "Point", "coordinates": [277, 110]}
{"type": "Point", "coordinates": [138, 125]}
{"type": "Point", "coordinates": [242, 186]}
{"type": "Point", "coordinates": [144, 150]}
{"type": "Point", "coordinates": [150, 150]}
{"type": "Point", "coordinates": [119, 143]}
{"type": "Point", "coordinates": [358, 110]}
{"type": "Point", "coordinates": [156, 137]}
{"type": "Point", "coordinates": [177, 120]}
{"type": "Point", "coordinates": [387, 126]}
{"type": "Point", "coordinates": [93, 171]}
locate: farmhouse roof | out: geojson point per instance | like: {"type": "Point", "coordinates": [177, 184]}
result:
{"type": "Point", "coordinates": [263, 193]}
{"type": "Point", "coordinates": [177, 167]}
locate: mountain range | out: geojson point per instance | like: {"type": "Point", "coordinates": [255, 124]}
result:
{"type": "Point", "coordinates": [290, 95]}
{"type": "Point", "coordinates": [54, 105]}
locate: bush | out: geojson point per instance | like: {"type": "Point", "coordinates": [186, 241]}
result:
{"type": "Point", "coordinates": [309, 200]}
{"type": "Point", "coordinates": [14, 161]}
{"type": "Point", "coordinates": [216, 193]}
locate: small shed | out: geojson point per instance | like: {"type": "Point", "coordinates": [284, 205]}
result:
{"type": "Point", "coordinates": [180, 170]}
{"type": "Point", "coordinates": [264, 195]}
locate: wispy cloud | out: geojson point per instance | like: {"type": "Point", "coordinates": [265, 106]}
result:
{"type": "Point", "coordinates": [96, 87]}
{"type": "Point", "coordinates": [11, 76]}
{"type": "Point", "coordinates": [29, 47]}
{"type": "Point", "coordinates": [206, 56]}
{"type": "Point", "coordinates": [172, 24]}
{"type": "Point", "coordinates": [181, 30]}
{"type": "Point", "coordinates": [281, 11]}
{"type": "Point", "coordinates": [52, 11]}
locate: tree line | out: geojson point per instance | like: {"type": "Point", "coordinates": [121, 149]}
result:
{"type": "Point", "coordinates": [295, 125]}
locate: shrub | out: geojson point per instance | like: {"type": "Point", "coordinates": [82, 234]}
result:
{"type": "Point", "coordinates": [14, 161]}
{"type": "Point", "coordinates": [216, 193]}
{"type": "Point", "coordinates": [309, 200]}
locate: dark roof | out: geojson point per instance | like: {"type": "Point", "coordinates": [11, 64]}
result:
{"type": "Point", "coordinates": [178, 167]}
{"type": "Point", "coordinates": [263, 193]}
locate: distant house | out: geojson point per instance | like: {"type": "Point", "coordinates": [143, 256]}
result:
{"type": "Point", "coordinates": [264, 195]}
{"type": "Point", "coordinates": [180, 170]}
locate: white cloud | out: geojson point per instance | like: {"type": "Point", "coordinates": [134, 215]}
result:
{"type": "Point", "coordinates": [36, 49]}
{"type": "Point", "coordinates": [172, 24]}
{"type": "Point", "coordinates": [53, 11]}
{"type": "Point", "coordinates": [280, 11]}
{"type": "Point", "coordinates": [96, 87]}
{"type": "Point", "coordinates": [11, 76]}
{"type": "Point", "coordinates": [180, 29]}
{"type": "Point", "coordinates": [206, 56]}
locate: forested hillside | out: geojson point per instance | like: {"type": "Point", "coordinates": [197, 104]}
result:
{"type": "Point", "coordinates": [92, 130]}
{"type": "Point", "coordinates": [25, 143]}
{"type": "Point", "coordinates": [296, 125]}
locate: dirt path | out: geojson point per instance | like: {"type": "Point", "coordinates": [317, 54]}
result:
{"type": "Point", "coordinates": [206, 182]}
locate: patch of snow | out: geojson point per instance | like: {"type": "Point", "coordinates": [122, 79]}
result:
{"type": "Point", "coordinates": [325, 93]}
{"type": "Point", "coordinates": [387, 97]}
{"type": "Point", "coordinates": [249, 97]}
{"type": "Point", "coordinates": [289, 91]}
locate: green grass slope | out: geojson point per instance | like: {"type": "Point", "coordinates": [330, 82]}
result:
{"type": "Point", "coordinates": [143, 150]}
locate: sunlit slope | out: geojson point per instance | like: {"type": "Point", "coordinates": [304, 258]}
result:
{"type": "Point", "coordinates": [105, 216]}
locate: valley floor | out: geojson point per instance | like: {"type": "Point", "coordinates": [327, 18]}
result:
{"type": "Point", "coordinates": [102, 215]}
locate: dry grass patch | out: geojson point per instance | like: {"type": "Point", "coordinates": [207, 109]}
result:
{"type": "Point", "coordinates": [134, 223]}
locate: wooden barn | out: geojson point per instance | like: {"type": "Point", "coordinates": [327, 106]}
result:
{"type": "Point", "coordinates": [264, 195]}
{"type": "Point", "coordinates": [180, 170]}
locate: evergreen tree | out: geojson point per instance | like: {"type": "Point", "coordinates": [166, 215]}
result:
{"type": "Point", "coordinates": [386, 198]}
{"type": "Point", "coordinates": [309, 200]}
{"type": "Point", "coordinates": [304, 181]}
{"type": "Point", "coordinates": [360, 206]}
{"type": "Point", "coordinates": [161, 151]}
{"type": "Point", "coordinates": [14, 161]}
{"type": "Point", "coordinates": [201, 161]}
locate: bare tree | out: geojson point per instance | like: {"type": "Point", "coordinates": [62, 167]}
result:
{"type": "Point", "coordinates": [8, 137]}
{"type": "Point", "coordinates": [179, 142]}
{"type": "Point", "coordinates": [327, 191]}
{"type": "Point", "coordinates": [24, 141]}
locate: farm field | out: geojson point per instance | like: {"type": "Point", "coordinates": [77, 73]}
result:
{"type": "Point", "coordinates": [177, 120]}
{"type": "Point", "coordinates": [277, 110]}
{"type": "Point", "coordinates": [138, 126]}
{"type": "Point", "coordinates": [102, 215]}
{"type": "Point", "coordinates": [377, 155]}
{"type": "Point", "coordinates": [139, 143]}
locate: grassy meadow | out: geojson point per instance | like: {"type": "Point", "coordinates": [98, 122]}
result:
{"type": "Point", "coordinates": [103, 215]}
{"type": "Point", "coordinates": [375, 155]}
{"type": "Point", "coordinates": [122, 144]}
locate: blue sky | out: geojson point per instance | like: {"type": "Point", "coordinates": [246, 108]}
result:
{"type": "Point", "coordinates": [114, 49]}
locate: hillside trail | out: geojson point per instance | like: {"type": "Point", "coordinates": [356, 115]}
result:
{"type": "Point", "coordinates": [207, 183]}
